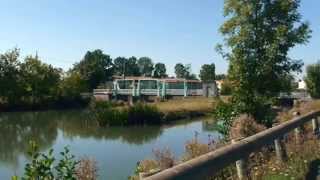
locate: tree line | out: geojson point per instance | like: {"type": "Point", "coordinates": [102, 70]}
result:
{"type": "Point", "coordinates": [30, 83]}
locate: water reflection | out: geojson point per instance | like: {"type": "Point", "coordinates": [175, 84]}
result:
{"type": "Point", "coordinates": [17, 129]}
{"type": "Point", "coordinates": [117, 149]}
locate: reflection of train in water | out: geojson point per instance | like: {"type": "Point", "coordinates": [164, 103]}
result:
{"type": "Point", "coordinates": [143, 86]}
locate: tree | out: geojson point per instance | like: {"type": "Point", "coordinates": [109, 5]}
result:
{"type": "Point", "coordinates": [120, 66]}
{"type": "Point", "coordinates": [132, 67]}
{"type": "Point", "coordinates": [259, 34]}
{"type": "Point", "coordinates": [207, 73]}
{"type": "Point", "coordinates": [181, 71]}
{"type": "Point", "coordinates": [95, 68]}
{"type": "Point", "coordinates": [146, 66]}
{"type": "Point", "coordinates": [71, 86]}
{"type": "Point", "coordinates": [160, 70]}
{"type": "Point", "coordinates": [184, 71]}
{"type": "Point", "coordinates": [40, 80]}
{"type": "Point", "coordinates": [10, 88]}
{"type": "Point", "coordinates": [220, 76]}
{"type": "Point", "coordinates": [313, 80]}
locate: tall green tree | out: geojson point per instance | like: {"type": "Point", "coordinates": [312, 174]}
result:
{"type": "Point", "coordinates": [184, 71]}
{"type": "Point", "coordinates": [207, 72]}
{"type": "Point", "coordinates": [181, 71]}
{"type": "Point", "coordinates": [119, 64]}
{"type": "Point", "coordinates": [160, 70]}
{"type": "Point", "coordinates": [10, 86]}
{"type": "Point", "coordinates": [40, 80]}
{"type": "Point", "coordinates": [146, 66]}
{"type": "Point", "coordinates": [259, 34]}
{"type": "Point", "coordinates": [221, 76]}
{"type": "Point", "coordinates": [313, 80]}
{"type": "Point", "coordinates": [95, 68]}
{"type": "Point", "coordinates": [132, 67]}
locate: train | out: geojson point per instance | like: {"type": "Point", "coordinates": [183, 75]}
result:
{"type": "Point", "coordinates": [144, 86]}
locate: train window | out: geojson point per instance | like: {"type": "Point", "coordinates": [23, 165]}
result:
{"type": "Point", "coordinates": [125, 84]}
{"type": "Point", "coordinates": [175, 85]}
{"type": "Point", "coordinates": [148, 84]}
{"type": "Point", "coordinates": [194, 85]}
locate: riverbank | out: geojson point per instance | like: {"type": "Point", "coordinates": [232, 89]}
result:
{"type": "Point", "coordinates": [107, 114]}
{"type": "Point", "coordinates": [302, 156]}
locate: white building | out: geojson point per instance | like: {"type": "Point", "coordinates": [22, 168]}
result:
{"type": "Point", "coordinates": [302, 84]}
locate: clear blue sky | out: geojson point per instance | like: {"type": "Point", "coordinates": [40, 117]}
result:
{"type": "Point", "coordinates": [168, 31]}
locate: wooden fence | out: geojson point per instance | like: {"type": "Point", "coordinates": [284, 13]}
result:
{"type": "Point", "coordinates": [210, 163]}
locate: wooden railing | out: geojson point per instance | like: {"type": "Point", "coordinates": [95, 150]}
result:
{"type": "Point", "coordinates": [212, 162]}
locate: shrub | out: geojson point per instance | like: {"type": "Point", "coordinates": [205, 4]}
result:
{"type": "Point", "coordinates": [313, 80]}
{"type": "Point", "coordinates": [164, 157]}
{"type": "Point", "coordinates": [42, 165]}
{"type": "Point", "coordinates": [138, 114]}
{"type": "Point", "coordinates": [144, 114]}
{"type": "Point", "coordinates": [226, 88]}
{"type": "Point", "coordinates": [87, 169]}
{"type": "Point", "coordinates": [224, 113]}
{"type": "Point", "coordinates": [244, 126]}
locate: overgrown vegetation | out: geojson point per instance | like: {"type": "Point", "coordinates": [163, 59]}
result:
{"type": "Point", "coordinates": [313, 80]}
{"type": "Point", "coordinates": [48, 167]}
{"type": "Point", "coordinates": [108, 113]}
{"type": "Point", "coordinates": [301, 162]}
{"type": "Point", "coordinates": [138, 114]}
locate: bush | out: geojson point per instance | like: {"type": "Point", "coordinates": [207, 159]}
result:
{"type": "Point", "coordinates": [313, 80]}
{"type": "Point", "coordinates": [138, 114]}
{"type": "Point", "coordinates": [42, 165]}
{"type": "Point", "coordinates": [144, 114]}
{"type": "Point", "coordinates": [87, 169]}
{"type": "Point", "coordinates": [224, 113]}
{"type": "Point", "coordinates": [226, 88]}
{"type": "Point", "coordinates": [244, 126]}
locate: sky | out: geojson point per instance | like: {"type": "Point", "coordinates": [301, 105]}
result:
{"type": "Point", "coordinates": [168, 31]}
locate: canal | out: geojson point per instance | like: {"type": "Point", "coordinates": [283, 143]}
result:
{"type": "Point", "coordinates": [116, 149]}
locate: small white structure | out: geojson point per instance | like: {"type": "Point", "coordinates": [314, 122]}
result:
{"type": "Point", "coordinates": [302, 85]}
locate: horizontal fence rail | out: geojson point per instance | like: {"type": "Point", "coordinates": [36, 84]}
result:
{"type": "Point", "coordinates": [212, 162]}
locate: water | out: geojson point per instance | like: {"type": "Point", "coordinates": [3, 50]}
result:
{"type": "Point", "coordinates": [116, 149]}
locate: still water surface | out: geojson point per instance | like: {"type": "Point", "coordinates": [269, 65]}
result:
{"type": "Point", "coordinates": [116, 149]}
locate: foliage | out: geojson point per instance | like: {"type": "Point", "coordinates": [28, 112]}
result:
{"type": "Point", "coordinates": [259, 35]}
{"type": "Point", "coordinates": [144, 114]}
{"type": "Point", "coordinates": [160, 70]}
{"type": "Point", "coordinates": [132, 67]}
{"type": "Point", "coordinates": [126, 67]}
{"type": "Point", "coordinates": [226, 87]}
{"type": "Point", "coordinates": [224, 113]}
{"type": "Point", "coordinates": [9, 76]}
{"type": "Point", "coordinates": [40, 80]}
{"type": "Point", "coordinates": [94, 68]}
{"type": "Point", "coordinates": [207, 73]}
{"type": "Point", "coordinates": [42, 166]}
{"type": "Point", "coordinates": [138, 114]}
{"type": "Point", "coordinates": [87, 169]}
{"type": "Point", "coordinates": [145, 65]}
{"type": "Point", "coordinates": [184, 71]}
{"type": "Point", "coordinates": [244, 126]}
{"type": "Point", "coordinates": [220, 76]}
{"type": "Point", "coordinates": [313, 80]}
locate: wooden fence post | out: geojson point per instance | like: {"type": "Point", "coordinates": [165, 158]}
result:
{"type": "Point", "coordinates": [280, 150]}
{"type": "Point", "coordinates": [297, 131]}
{"type": "Point", "coordinates": [240, 165]}
{"type": "Point", "coordinates": [315, 126]}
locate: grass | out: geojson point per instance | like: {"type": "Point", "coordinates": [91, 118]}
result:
{"type": "Point", "coordinates": [200, 104]}
{"type": "Point", "coordinates": [106, 113]}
